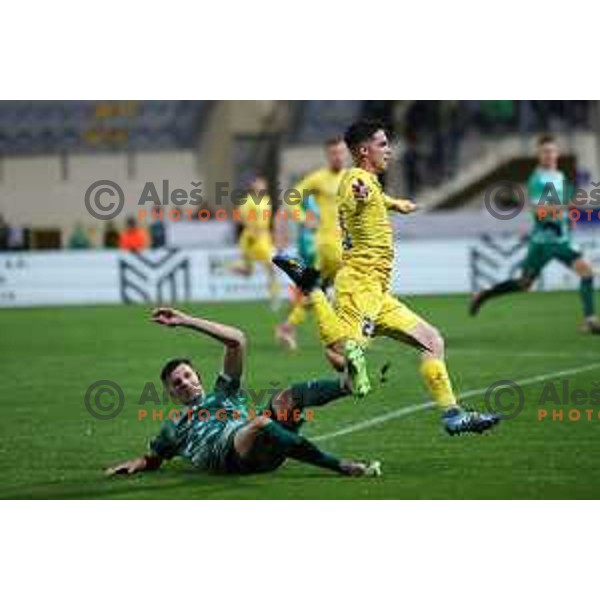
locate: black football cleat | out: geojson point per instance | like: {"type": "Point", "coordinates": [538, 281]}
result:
{"type": "Point", "coordinates": [305, 278]}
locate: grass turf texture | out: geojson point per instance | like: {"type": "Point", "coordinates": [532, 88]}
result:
{"type": "Point", "coordinates": [52, 448]}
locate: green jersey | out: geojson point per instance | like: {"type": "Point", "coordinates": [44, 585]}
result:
{"type": "Point", "coordinates": [547, 189]}
{"type": "Point", "coordinates": [203, 432]}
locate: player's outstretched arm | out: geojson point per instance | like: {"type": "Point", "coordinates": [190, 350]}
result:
{"type": "Point", "coordinates": [233, 338]}
{"type": "Point", "coordinates": [400, 205]}
{"type": "Point", "coordinates": [148, 462]}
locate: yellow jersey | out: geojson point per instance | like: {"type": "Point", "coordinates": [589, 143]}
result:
{"type": "Point", "coordinates": [324, 184]}
{"type": "Point", "coordinates": [255, 214]}
{"type": "Point", "coordinates": [366, 229]}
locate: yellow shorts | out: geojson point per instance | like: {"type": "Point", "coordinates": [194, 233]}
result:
{"type": "Point", "coordinates": [256, 248]}
{"type": "Point", "coordinates": [366, 309]}
{"type": "Point", "coordinates": [329, 257]}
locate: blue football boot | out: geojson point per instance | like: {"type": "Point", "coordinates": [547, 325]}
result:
{"type": "Point", "coordinates": [458, 420]}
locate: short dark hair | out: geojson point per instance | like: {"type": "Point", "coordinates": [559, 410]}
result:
{"type": "Point", "coordinates": [546, 138]}
{"type": "Point", "coordinates": [254, 176]}
{"type": "Point", "coordinates": [171, 365]}
{"type": "Point", "coordinates": [333, 141]}
{"type": "Point", "coordinates": [360, 132]}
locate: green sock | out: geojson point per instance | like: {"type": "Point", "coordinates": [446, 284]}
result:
{"type": "Point", "coordinates": [504, 287]}
{"type": "Point", "coordinates": [587, 296]}
{"type": "Point", "coordinates": [299, 448]}
{"type": "Point", "coordinates": [318, 392]}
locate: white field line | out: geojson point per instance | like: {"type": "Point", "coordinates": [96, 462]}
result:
{"type": "Point", "coordinates": [409, 410]}
{"type": "Point", "coordinates": [526, 354]}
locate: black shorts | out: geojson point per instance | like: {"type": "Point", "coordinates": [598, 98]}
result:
{"type": "Point", "coordinates": [264, 462]}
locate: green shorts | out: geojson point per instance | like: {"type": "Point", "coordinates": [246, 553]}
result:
{"type": "Point", "coordinates": [539, 254]}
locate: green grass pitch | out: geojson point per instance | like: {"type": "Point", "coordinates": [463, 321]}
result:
{"type": "Point", "coordinates": [52, 448]}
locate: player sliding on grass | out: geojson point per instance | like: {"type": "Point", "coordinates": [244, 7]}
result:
{"type": "Point", "coordinates": [550, 237]}
{"type": "Point", "coordinates": [215, 431]}
{"type": "Point", "coordinates": [364, 306]}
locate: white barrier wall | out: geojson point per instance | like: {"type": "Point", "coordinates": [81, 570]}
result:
{"type": "Point", "coordinates": [34, 192]}
{"type": "Point", "coordinates": [164, 276]}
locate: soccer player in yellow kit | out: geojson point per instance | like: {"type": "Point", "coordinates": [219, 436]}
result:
{"type": "Point", "coordinates": [256, 243]}
{"type": "Point", "coordinates": [364, 306]}
{"type": "Point", "coordinates": [322, 184]}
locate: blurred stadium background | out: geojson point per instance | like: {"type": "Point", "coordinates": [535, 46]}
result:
{"type": "Point", "coordinates": [447, 154]}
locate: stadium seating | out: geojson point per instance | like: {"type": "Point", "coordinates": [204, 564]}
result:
{"type": "Point", "coordinates": [446, 139]}
{"type": "Point", "coordinates": [320, 119]}
{"type": "Point", "coordinates": [35, 127]}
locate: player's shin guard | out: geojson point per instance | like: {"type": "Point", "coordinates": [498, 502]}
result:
{"type": "Point", "coordinates": [330, 328]}
{"type": "Point", "coordinates": [586, 290]}
{"type": "Point", "coordinates": [299, 448]}
{"type": "Point", "coordinates": [437, 381]}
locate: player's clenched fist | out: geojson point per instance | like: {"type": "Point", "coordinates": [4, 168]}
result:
{"type": "Point", "coordinates": [169, 317]}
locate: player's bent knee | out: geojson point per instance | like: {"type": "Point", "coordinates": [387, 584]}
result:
{"type": "Point", "coordinates": [583, 268]}
{"type": "Point", "coordinates": [436, 342]}
{"type": "Point", "coordinates": [259, 422]}
{"type": "Point", "coordinates": [336, 358]}
{"type": "Point", "coordinates": [428, 339]}
{"type": "Point", "coordinates": [283, 401]}
{"type": "Point", "coordinates": [245, 438]}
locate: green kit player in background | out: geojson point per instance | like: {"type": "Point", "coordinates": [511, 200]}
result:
{"type": "Point", "coordinates": [550, 237]}
{"type": "Point", "coordinates": [216, 431]}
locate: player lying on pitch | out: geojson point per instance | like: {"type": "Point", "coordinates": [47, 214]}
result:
{"type": "Point", "coordinates": [229, 441]}
{"type": "Point", "coordinates": [364, 305]}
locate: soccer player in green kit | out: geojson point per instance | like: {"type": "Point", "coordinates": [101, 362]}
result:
{"type": "Point", "coordinates": [217, 433]}
{"type": "Point", "coordinates": [550, 237]}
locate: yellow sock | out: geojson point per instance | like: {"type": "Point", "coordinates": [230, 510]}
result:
{"type": "Point", "coordinates": [297, 314]}
{"type": "Point", "coordinates": [330, 328]}
{"type": "Point", "coordinates": [435, 376]}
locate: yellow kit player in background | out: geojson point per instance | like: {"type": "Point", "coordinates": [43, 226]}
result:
{"type": "Point", "coordinates": [322, 184]}
{"type": "Point", "coordinates": [256, 242]}
{"type": "Point", "coordinates": [364, 306]}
